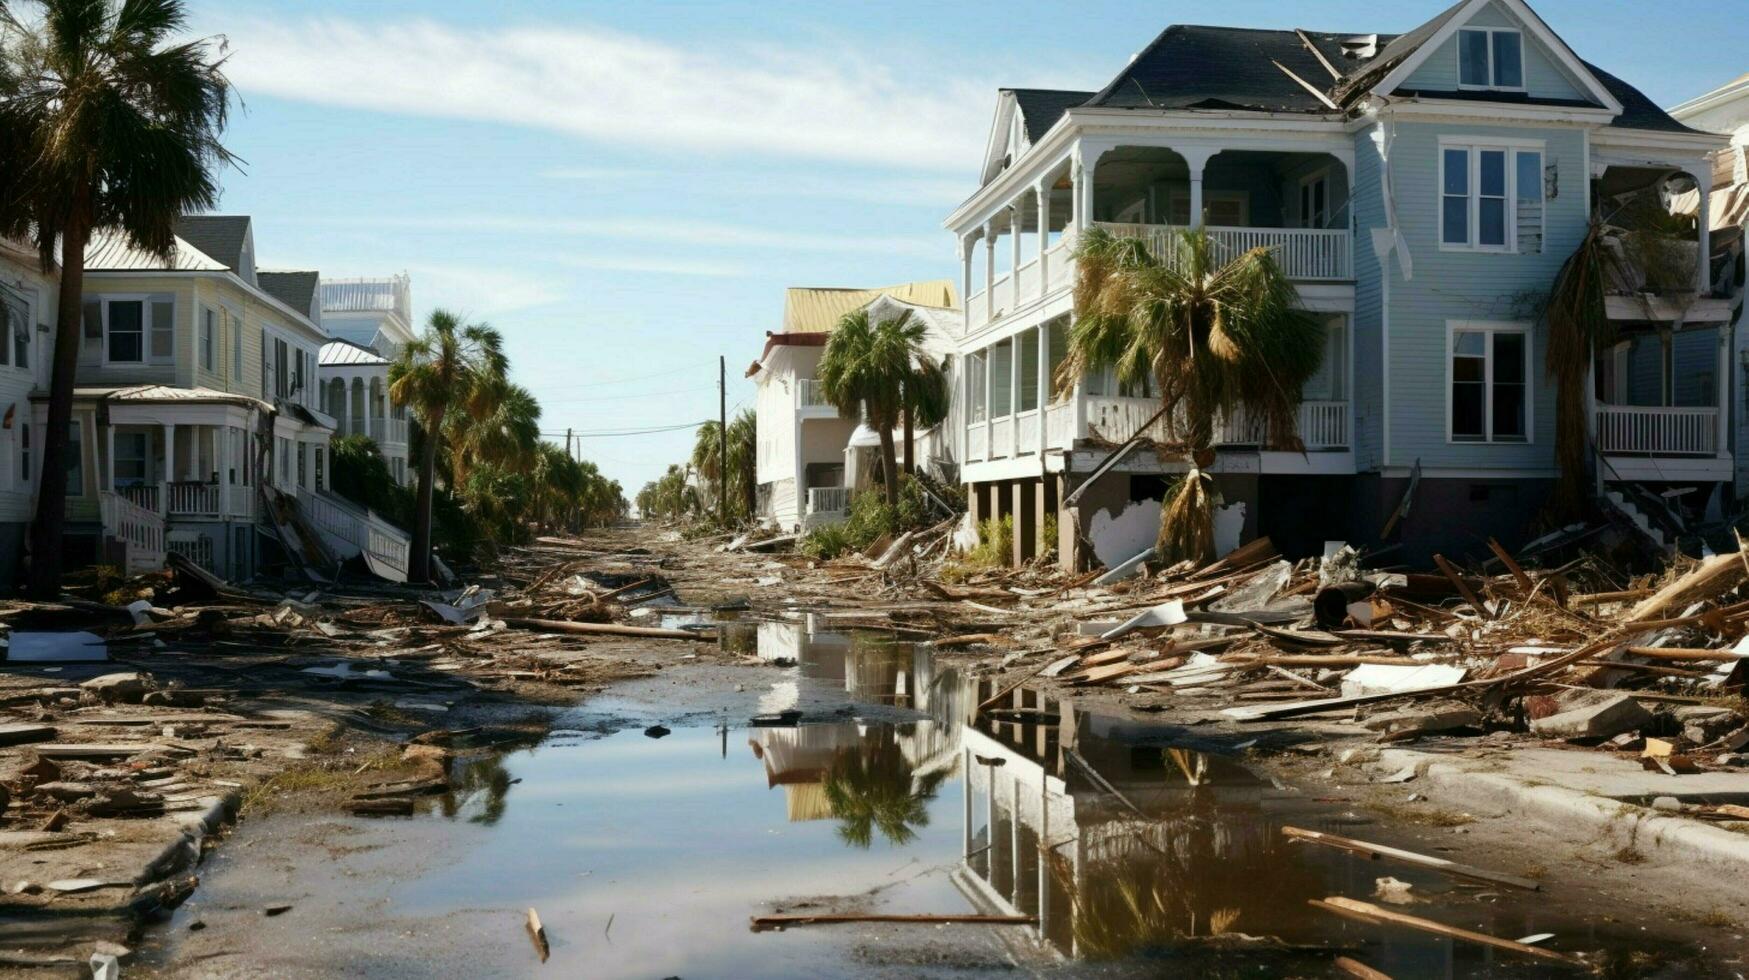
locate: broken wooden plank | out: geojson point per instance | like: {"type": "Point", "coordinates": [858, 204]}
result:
{"type": "Point", "coordinates": [1357, 969]}
{"type": "Point", "coordinates": [537, 934]}
{"type": "Point", "coordinates": [1714, 574]}
{"type": "Point", "coordinates": [1512, 567]}
{"type": "Point", "coordinates": [1463, 588]}
{"type": "Point", "coordinates": [611, 629]}
{"type": "Point", "coordinates": [96, 750]}
{"type": "Point", "coordinates": [25, 734]}
{"type": "Point", "coordinates": [1377, 851]}
{"type": "Point", "coordinates": [1368, 912]}
{"type": "Point", "coordinates": [762, 922]}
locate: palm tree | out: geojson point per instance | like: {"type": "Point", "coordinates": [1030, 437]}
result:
{"type": "Point", "coordinates": [926, 402]}
{"type": "Point", "coordinates": [744, 461]}
{"type": "Point", "coordinates": [502, 429]}
{"type": "Point", "coordinates": [707, 456]}
{"type": "Point", "coordinates": [1213, 337]}
{"type": "Point", "coordinates": [109, 122]}
{"type": "Point", "coordinates": [865, 368]}
{"type": "Point", "coordinates": [452, 364]}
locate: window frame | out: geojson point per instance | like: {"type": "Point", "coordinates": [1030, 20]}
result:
{"type": "Point", "coordinates": [1490, 328]}
{"type": "Point", "coordinates": [1473, 147]}
{"type": "Point", "coordinates": [10, 346]}
{"type": "Point", "coordinates": [148, 302]}
{"type": "Point", "coordinates": [1488, 47]}
{"type": "Point", "coordinates": [234, 333]}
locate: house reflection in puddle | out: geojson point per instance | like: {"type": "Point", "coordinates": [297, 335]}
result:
{"type": "Point", "coordinates": [1118, 842]}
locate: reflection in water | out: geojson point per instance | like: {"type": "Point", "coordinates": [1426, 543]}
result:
{"type": "Point", "coordinates": [1126, 844]}
{"type": "Point", "coordinates": [875, 786]}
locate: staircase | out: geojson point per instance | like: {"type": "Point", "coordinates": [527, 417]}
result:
{"type": "Point", "coordinates": [139, 531]}
{"type": "Point", "coordinates": [349, 530]}
{"type": "Point", "coordinates": [1638, 518]}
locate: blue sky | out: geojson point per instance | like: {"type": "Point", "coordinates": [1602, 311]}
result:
{"type": "Point", "coordinates": [625, 189]}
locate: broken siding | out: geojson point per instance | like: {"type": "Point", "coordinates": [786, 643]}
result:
{"type": "Point", "coordinates": [1368, 389]}
{"type": "Point", "coordinates": [1543, 76]}
{"type": "Point", "coordinates": [1466, 285]}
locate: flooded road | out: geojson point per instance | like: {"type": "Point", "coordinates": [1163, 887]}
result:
{"type": "Point", "coordinates": [647, 843]}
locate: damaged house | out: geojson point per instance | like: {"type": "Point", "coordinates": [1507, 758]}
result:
{"type": "Point", "coordinates": [1422, 191]}
{"type": "Point", "coordinates": [198, 423]}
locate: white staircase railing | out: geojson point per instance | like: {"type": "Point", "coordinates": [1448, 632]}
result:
{"type": "Point", "coordinates": [140, 531]}
{"type": "Point", "coordinates": [359, 532]}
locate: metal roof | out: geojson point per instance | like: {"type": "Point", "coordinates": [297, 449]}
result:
{"type": "Point", "coordinates": [147, 394]}
{"type": "Point", "coordinates": [109, 252]}
{"type": "Point", "coordinates": [818, 309]}
{"type": "Point", "coordinates": [345, 353]}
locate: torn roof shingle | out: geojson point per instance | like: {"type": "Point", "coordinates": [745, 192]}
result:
{"type": "Point", "coordinates": [1040, 108]}
{"type": "Point", "coordinates": [221, 236]}
{"type": "Point", "coordinates": [295, 289]}
{"type": "Point", "coordinates": [1199, 67]}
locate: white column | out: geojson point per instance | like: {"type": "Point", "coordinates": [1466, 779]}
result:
{"type": "Point", "coordinates": [989, 416]}
{"type": "Point", "coordinates": [169, 468]}
{"type": "Point", "coordinates": [1014, 254]}
{"type": "Point", "coordinates": [1196, 158]}
{"type": "Point", "coordinates": [222, 440]}
{"type": "Point", "coordinates": [1014, 395]}
{"type": "Point", "coordinates": [1042, 193]}
{"type": "Point", "coordinates": [965, 252]}
{"type": "Point", "coordinates": [1703, 182]}
{"type": "Point", "coordinates": [109, 453]}
{"type": "Point", "coordinates": [989, 269]}
{"type": "Point", "coordinates": [966, 821]}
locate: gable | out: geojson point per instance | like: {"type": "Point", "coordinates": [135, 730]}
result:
{"type": "Point", "coordinates": [1006, 140]}
{"type": "Point", "coordinates": [1437, 52]}
{"type": "Point", "coordinates": [1544, 76]}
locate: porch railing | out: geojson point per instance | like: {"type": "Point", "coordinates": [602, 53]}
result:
{"type": "Point", "coordinates": [197, 548]}
{"type": "Point", "coordinates": [1302, 253]}
{"type": "Point", "coordinates": [1026, 439]}
{"type": "Point", "coordinates": [1322, 425]}
{"type": "Point", "coordinates": [977, 441]}
{"type": "Point", "coordinates": [1001, 438]}
{"type": "Point", "coordinates": [1644, 430]}
{"type": "Point", "coordinates": [144, 496]}
{"type": "Point", "coordinates": [140, 531]}
{"type": "Point", "coordinates": [828, 500]}
{"type": "Point", "coordinates": [192, 499]}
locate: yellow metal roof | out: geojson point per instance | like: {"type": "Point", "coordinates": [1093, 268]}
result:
{"type": "Point", "coordinates": [817, 310]}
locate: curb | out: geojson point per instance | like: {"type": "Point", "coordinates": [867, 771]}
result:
{"type": "Point", "coordinates": [184, 851]}
{"type": "Point", "coordinates": [1623, 824]}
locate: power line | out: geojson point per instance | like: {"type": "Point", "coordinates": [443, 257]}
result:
{"type": "Point", "coordinates": [644, 431]}
{"type": "Point", "coordinates": [640, 377]}
{"type": "Point", "coordinates": [615, 398]}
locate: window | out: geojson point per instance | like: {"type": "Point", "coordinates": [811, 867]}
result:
{"type": "Point", "coordinates": [75, 462]}
{"type": "Point", "coordinates": [130, 459]}
{"type": "Point", "coordinates": [975, 381]}
{"type": "Point", "coordinates": [1489, 374]}
{"type": "Point", "coordinates": [14, 324]}
{"type": "Point", "coordinates": [137, 330]}
{"type": "Point", "coordinates": [1491, 58]}
{"type": "Point", "coordinates": [1490, 198]}
{"type": "Point", "coordinates": [209, 339]}
{"type": "Point", "coordinates": [1029, 363]}
{"type": "Point", "coordinates": [1315, 201]}
{"type": "Point", "coordinates": [1220, 209]}
{"type": "Point", "coordinates": [321, 468]}
{"type": "Point", "coordinates": [1001, 379]}
{"type": "Point", "coordinates": [302, 469]}
{"type": "Point", "coordinates": [24, 452]}
{"type": "Point", "coordinates": [125, 330]}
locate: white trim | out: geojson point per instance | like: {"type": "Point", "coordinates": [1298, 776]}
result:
{"type": "Point", "coordinates": [1492, 85]}
{"type": "Point", "coordinates": [1525, 16]}
{"type": "Point", "coordinates": [1474, 147]}
{"type": "Point", "coordinates": [1433, 107]}
{"type": "Point", "coordinates": [1490, 328]}
{"type": "Point", "coordinates": [147, 302]}
{"type": "Point", "coordinates": [1470, 473]}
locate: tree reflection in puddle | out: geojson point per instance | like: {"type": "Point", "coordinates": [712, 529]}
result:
{"type": "Point", "coordinates": [874, 787]}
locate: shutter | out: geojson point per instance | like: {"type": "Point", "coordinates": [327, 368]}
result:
{"type": "Point", "coordinates": [93, 319]}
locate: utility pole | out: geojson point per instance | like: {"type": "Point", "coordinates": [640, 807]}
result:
{"type": "Point", "coordinates": [568, 443]}
{"type": "Point", "coordinates": [723, 439]}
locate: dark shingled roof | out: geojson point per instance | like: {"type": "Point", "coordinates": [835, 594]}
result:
{"type": "Point", "coordinates": [1040, 108]}
{"type": "Point", "coordinates": [220, 236]}
{"type": "Point", "coordinates": [1193, 67]}
{"type": "Point", "coordinates": [1198, 67]}
{"type": "Point", "coordinates": [295, 289]}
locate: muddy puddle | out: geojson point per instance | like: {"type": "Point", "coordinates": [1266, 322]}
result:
{"type": "Point", "coordinates": [1136, 849]}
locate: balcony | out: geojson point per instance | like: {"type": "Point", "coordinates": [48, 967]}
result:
{"type": "Point", "coordinates": [1309, 254]}
{"type": "Point", "coordinates": [1639, 430]}
{"type": "Point", "coordinates": [1323, 427]}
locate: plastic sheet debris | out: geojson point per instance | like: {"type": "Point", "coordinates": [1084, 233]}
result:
{"type": "Point", "coordinates": [42, 647]}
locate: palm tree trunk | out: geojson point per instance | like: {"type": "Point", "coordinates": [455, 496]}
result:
{"type": "Point", "coordinates": [51, 500]}
{"type": "Point", "coordinates": [419, 566]}
{"type": "Point", "coordinates": [889, 466]}
{"type": "Point", "coordinates": [910, 465]}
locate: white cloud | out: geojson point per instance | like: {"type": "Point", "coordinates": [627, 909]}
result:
{"type": "Point", "coordinates": [929, 243]}
{"type": "Point", "coordinates": [474, 291]}
{"type": "Point", "coordinates": [936, 192]}
{"type": "Point", "coordinates": [825, 101]}
{"type": "Point", "coordinates": [670, 267]}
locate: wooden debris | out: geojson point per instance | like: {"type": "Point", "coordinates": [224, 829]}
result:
{"type": "Point", "coordinates": [1376, 915]}
{"type": "Point", "coordinates": [1381, 851]}
{"type": "Point", "coordinates": [763, 922]}
{"type": "Point", "coordinates": [537, 934]}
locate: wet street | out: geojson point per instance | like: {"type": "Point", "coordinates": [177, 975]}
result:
{"type": "Point", "coordinates": [648, 837]}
